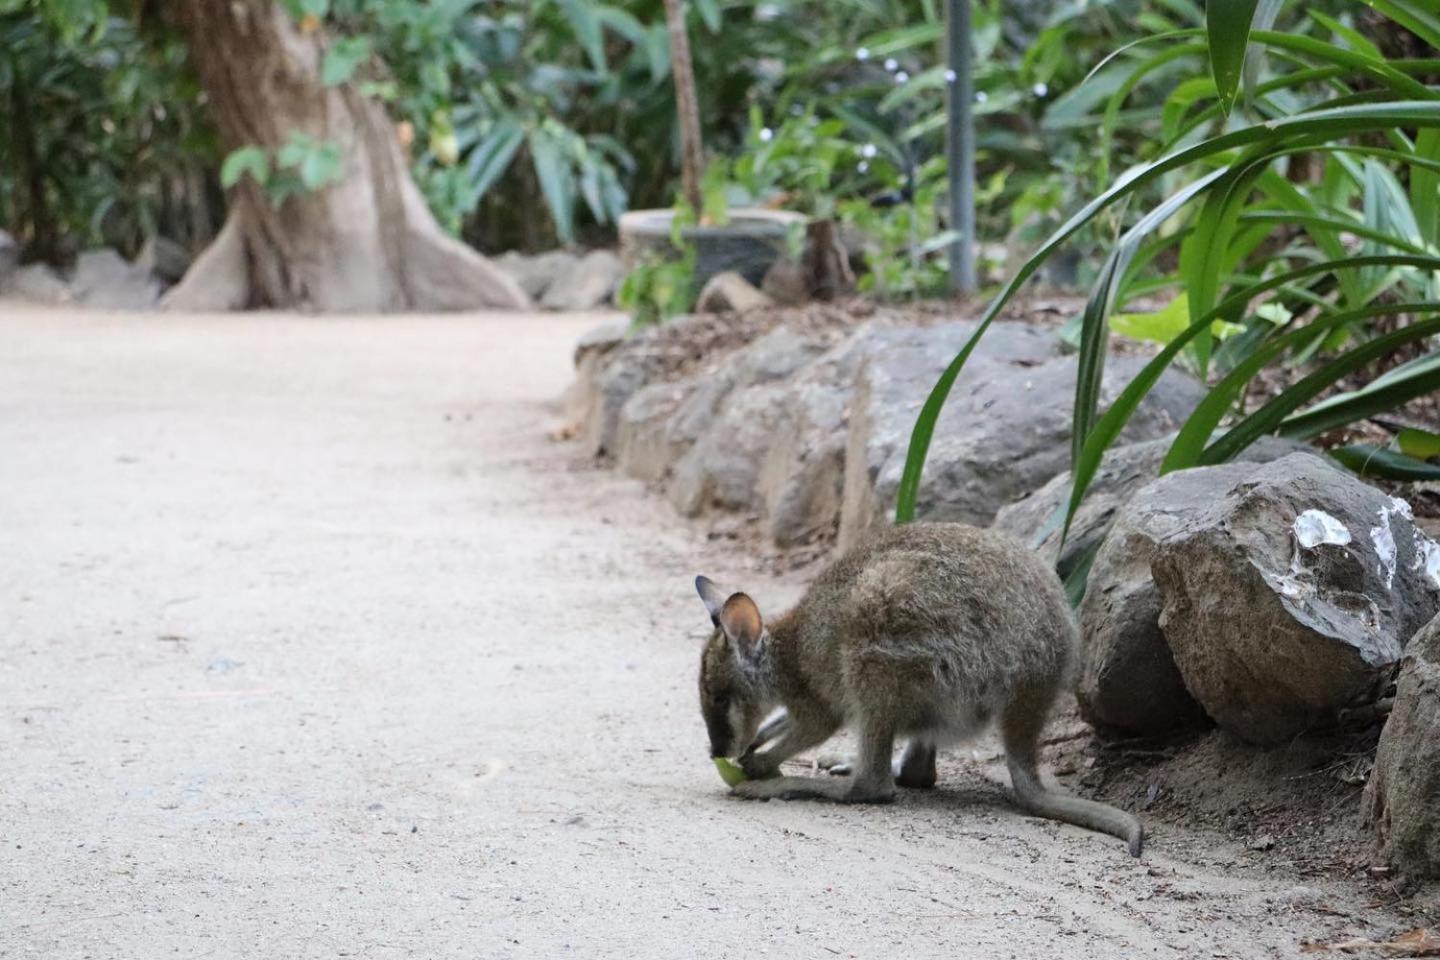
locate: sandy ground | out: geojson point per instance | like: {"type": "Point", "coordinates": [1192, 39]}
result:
{"type": "Point", "coordinates": [312, 645]}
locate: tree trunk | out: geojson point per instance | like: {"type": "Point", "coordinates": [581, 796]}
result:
{"type": "Point", "coordinates": [687, 106]}
{"type": "Point", "coordinates": [366, 243]}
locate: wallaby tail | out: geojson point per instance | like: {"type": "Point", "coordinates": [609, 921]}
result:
{"type": "Point", "coordinates": [1082, 813]}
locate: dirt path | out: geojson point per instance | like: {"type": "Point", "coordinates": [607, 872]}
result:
{"type": "Point", "coordinates": [311, 645]}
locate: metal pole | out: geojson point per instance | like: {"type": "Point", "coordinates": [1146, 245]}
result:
{"type": "Point", "coordinates": [960, 145]}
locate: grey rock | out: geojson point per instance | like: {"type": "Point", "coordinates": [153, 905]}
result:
{"type": "Point", "coordinates": [103, 278]}
{"type": "Point", "coordinates": [9, 256]}
{"type": "Point", "coordinates": [1125, 469]}
{"type": "Point", "coordinates": [605, 393]}
{"type": "Point", "coordinates": [733, 420]}
{"type": "Point", "coordinates": [1403, 795]}
{"type": "Point", "coordinates": [786, 283]}
{"type": "Point", "coordinates": [164, 258]}
{"type": "Point", "coordinates": [1128, 681]}
{"type": "Point", "coordinates": [581, 399]}
{"type": "Point", "coordinates": [645, 443]}
{"type": "Point", "coordinates": [587, 285]}
{"type": "Point", "coordinates": [536, 274]}
{"type": "Point", "coordinates": [729, 292]}
{"type": "Point", "coordinates": [36, 283]}
{"type": "Point", "coordinates": [802, 477]}
{"type": "Point", "coordinates": [1003, 433]}
{"type": "Point", "coordinates": [1289, 594]}
{"type": "Point", "coordinates": [601, 339]}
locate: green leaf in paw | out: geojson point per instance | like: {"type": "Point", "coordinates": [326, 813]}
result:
{"type": "Point", "coordinates": [730, 771]}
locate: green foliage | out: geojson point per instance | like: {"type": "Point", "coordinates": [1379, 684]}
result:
{"type": "Point", "coordinates": [663, 286]}
{"type": "Point", "coordinates": [1300, 230]}
{"type": "Point", "coordinates": [503, 96]}
{"type": "Point", "coordinates": [302, 165]}
{"type": "Point", "coordinates": [101, 136]}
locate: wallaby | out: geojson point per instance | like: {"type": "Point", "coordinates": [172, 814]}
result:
{"type": "Point", "coordinates": [928, 631]}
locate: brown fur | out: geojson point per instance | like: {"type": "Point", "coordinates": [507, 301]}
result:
{"type": "Point", "coordinates": [928, 632]}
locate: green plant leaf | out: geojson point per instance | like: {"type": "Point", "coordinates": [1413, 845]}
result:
{"type": "Point", "coordinates": [342, 60]}
{"type": "Point", "coordinates": [557, 181]}
{"type": "Point", "coordinates": [322, 166]}
{"type": "Point", "coordinates": [252, 160]}
{"type": "Point", "coordinates": [1417, 443]}
{"type": "Point", "coordinates": [1327, 124]}
{"type": "Point", "coordinates": [1423, 20]}
{"type": "Point", "coordinates": [1397, 387]}
{"type": "Point", "coordinates": [491, 158]}
{"type": "Point", "coordinates": [1369, 460]}
{"type": "Point", "coordinates": [586, 24]}
{"type": "Point", "coordinates": [1158, 326]}
{"type": "Point", "coordinates": [710, 14]}
{"type": "Point", "coordinates": [1188, 449]}
{"type": "Point", "coordinates": [1227, 26]}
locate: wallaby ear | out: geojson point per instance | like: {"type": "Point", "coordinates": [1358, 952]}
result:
{"type": "Point", "coordinates": [713, 597]}
{"type": "Point", "coordinates": [741, 621]}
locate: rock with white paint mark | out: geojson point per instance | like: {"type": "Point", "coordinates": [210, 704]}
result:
{"type": "Point", "coordinates": [1403, 796]}
{"type": "Point", "coordinates": [1288, 593]}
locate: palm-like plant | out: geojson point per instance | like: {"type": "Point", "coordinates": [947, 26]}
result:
{"type": "Point", "coordinates": [1336, 265]}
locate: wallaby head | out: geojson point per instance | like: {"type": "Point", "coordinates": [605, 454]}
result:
{"type": "Point", "coordinates": [731, 692]}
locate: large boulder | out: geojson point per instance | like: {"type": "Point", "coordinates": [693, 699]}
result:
{"type": "Point", "coordinates": [585, 286]}
{"type": "Point", "coordinates": [1128, 682]}
{"type": "Point", "coordinates": [164, 258]}
{"type": "Point", "coordinates": [733, 418]}
{"type": "Point", "coordinates": [536, 274]}
{"type": "Point", "coordinates": [802, 478]}
{"type": "Point", "coordinates": [1289, 593]}
{"type": "Point", "coordinates": [646, 442]}
{"type": "Point", "coordinates": [1004, 432]}
{"type": "Point", "coordinates": [729, 292]}
{"type": "Point", "coordinates": [36, 283]}
{"type": "Point", "coordinates": [1125, 469]}
{"type": "Point", "coordinates": [103, 278]}
{"type": "Point", "coordinates": [1403, 796]}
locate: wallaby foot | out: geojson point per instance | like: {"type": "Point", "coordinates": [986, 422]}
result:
{"type": "Point", "coordinates": [814, 788]}
{"type": "Point", "coordinates": [915, 769]}
{"type": "Point", "coordinates": [873, 781]}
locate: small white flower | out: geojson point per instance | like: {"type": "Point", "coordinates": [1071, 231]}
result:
{"type": "Point", "coordinates": [951, 76]}
{"type": "Point", "coordinates": [862, 166]}
{"type": "Point", "coordinates": [1039, 89]}
{"type": "Point", "coordinates": [981, 96]}
{"type": "Point", "coordinates": [766, 135]}
{"type": "Point", "coordinates": [862, 54]}
{"type": "Point", "coordinates": [892, 64]}
{"type": "Point", "coordinates": [902, 77]}
{"type": "Point", "coordinates": [868, 151]}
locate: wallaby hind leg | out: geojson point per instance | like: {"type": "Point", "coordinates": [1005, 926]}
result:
{"type": "Point", "coordinates": [873, 781]}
